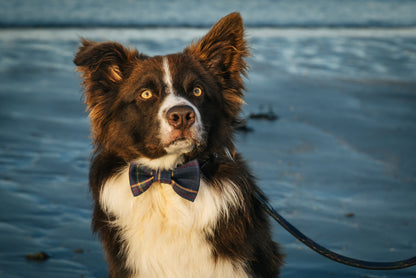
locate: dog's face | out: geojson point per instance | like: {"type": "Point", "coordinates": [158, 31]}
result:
{"type": "Point", "coordinates": [169, 105]}
{"type": "Point", "coordinates": [179, 105]}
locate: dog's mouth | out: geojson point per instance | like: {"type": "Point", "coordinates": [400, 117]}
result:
{"type": "Point", "coordinates": [181, 145]}
{"type": "Point", "coordinates": [179, 140]}
{"type": "Point", "coordinates": [181, 137]}
{"type": "Point", "coordinates": [182, 142]}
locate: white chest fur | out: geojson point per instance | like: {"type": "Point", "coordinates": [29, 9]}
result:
{"type": "Point", "coordinates": [165, 235]}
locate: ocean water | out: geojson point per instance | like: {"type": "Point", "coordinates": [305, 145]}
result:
{"type": "Point", "coordinates": [191, 13]}
{"type": "Point", "coordinates": [339, 163]}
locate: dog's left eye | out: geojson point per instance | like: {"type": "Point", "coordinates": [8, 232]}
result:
{"type": "Point", "coordinates": [197, 91]}
{"type": "Point", "coordinates": [146, 94]}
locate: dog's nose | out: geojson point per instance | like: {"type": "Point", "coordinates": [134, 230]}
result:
{"type": "Point", "coordinates": [181, 116]}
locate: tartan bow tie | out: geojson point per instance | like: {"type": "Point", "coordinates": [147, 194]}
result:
{"type": "Point", "coordinates": [184, 179]}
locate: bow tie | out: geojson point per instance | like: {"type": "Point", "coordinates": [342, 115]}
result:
{"type": "Point", "coordinates": [184, 179]}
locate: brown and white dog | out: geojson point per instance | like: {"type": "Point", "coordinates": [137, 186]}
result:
{"type": "Point", "coordinates": [162, 112]}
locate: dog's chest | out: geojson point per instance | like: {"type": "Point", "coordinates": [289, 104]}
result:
{"type": "Point", "coordinates": [164, 235]}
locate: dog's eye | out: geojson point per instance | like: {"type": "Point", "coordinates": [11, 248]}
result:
{"type": "Point", "coordinates": [197, 91]}
{"type": "Point", "coordinates": [146, 94]}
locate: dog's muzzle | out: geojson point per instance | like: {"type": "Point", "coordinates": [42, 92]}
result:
{"type": "Point", "coordinates": [181, 117]}
{"type": "Point", "coordinates": [181, 128]}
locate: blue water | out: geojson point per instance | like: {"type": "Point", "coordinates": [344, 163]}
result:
{"type": "Point", "coordinates": [270, 13]}
{"type": "Point", "coordinates": [341, 75]}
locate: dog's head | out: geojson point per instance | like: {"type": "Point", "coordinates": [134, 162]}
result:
{"type": "Point", "coordinates": [166, 109]}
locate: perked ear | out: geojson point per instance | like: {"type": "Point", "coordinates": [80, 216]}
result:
{"type": "Point", "coordinates": [222, 50]}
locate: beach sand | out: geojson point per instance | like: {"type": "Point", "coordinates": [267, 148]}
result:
{"type": "Point", "coordinates": [339, 162]}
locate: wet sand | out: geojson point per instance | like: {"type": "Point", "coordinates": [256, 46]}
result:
{"type": "Point", "coordinates": [339, 162]}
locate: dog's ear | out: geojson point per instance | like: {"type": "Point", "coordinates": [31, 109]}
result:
{"type": "Point", "coordinates": [104, 66]}
{"type": "Point", "coordinates": [222, 50]}
{"type": "Point", "coordinates": [104, 63]}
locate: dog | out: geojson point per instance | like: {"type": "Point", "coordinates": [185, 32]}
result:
{"type": "Point", "coordinates": [172, 196]}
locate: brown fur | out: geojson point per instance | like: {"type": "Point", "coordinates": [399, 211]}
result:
{"type": "Point", "coordinates": [124, 128]}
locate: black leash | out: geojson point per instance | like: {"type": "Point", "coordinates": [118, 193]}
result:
{"type": "Point", "coordinates": [328, 253]}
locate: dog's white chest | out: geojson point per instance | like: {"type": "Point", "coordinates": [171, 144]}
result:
{"type": "Point", "coordinates": [164, 234]}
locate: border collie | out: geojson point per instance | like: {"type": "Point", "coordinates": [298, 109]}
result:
{"type": "Point", "coordinates": [172, 197]}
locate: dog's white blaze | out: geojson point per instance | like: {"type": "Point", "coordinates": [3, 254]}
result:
{"type": "Point", "coordinates": [164, 234]}
{"type": "Point", "coordinates": [174, 151]}
{"type": "Point", "coordinates": [167, 77]}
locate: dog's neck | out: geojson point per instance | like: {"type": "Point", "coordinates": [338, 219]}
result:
{"type": "Point", "coordinates": [171, 161]}
{"type": "Point", "coordinates": [166, 162]}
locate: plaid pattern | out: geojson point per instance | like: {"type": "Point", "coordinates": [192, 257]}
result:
{"type": "Point", "coordinates": [184, 179]}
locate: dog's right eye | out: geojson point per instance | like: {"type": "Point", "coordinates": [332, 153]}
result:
{"type": "Point", "coordinates": [197, 91]}
{"type": "Point", "coordinates": [146, 94]}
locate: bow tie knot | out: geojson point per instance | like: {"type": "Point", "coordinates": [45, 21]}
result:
{"type": "Point", "coordinates": [184, 179]}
